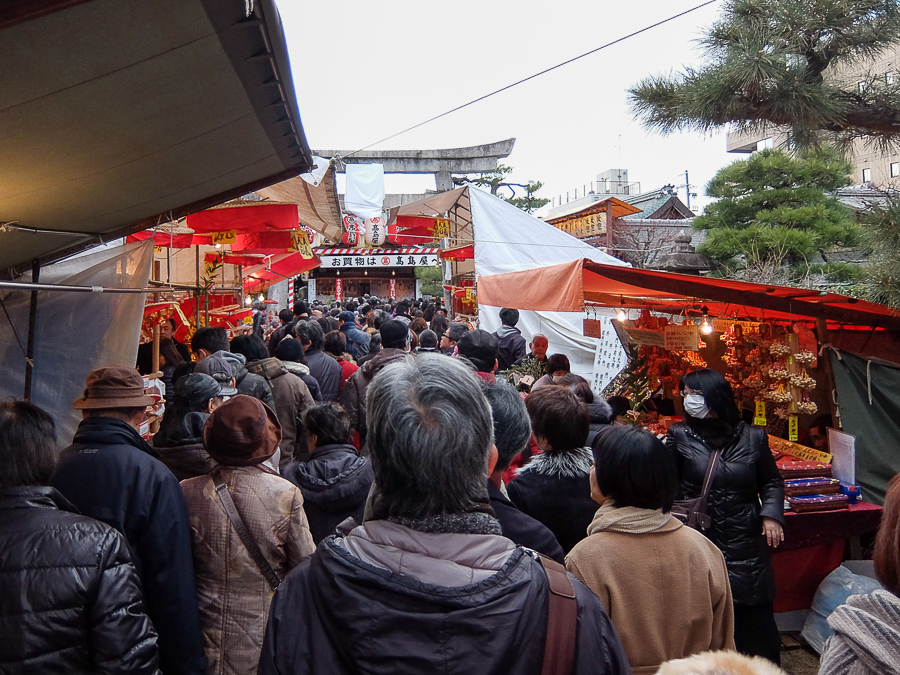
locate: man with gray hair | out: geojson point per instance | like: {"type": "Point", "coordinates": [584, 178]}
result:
{"type": "Point", "coordinates": [428, 583]}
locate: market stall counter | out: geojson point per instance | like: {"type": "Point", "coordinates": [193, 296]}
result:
{"type": "Point", "coordinates": [814, 545]}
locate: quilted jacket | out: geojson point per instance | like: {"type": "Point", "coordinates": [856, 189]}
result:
{"type": "Point", "coordinates": [70, 598]}
{"type": "Point", "coordinates": [233, 594]}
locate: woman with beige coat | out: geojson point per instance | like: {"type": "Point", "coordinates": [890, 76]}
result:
{"type": "Point", "coordinates": [664, 585]}
{"type": "Point", "coordinates": [233, 591]}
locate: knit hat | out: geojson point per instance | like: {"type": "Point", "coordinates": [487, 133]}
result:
{"type": "Point", "coordinates": [220, 370]}
{"type": "Point", "coordinates": [242, 431]}
{"type": "Point", "coordinates": [343, 317]}
{"type": "Point", "coordinates": [114, 387]}
{"type": "Point", "coordinates": [196, 390]}
{"type": "Point", "coordinates": [394, 334]}
{"type": "Point", "coordinates": [289, 349]}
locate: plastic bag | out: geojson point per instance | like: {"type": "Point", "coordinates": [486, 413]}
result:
{"type": "Point", "coordinates": [832, 592]}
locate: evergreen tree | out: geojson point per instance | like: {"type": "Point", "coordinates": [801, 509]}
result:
{"type": "Point", "coordinates": [774, 215]}
{"type": "Point", "coordinates": [498, 178]}
{"type": "Point", "coordinates": [766, 65]}
{"type": "Point", "coordinates": [881, 280]}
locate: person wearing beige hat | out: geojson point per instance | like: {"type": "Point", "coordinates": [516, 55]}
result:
{"type": "Point", "coordinates": [248, 528]}
{"type": "Point", "coordinates": [112, 474]}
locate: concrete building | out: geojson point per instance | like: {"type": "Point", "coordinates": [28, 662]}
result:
{"type": "Point", "coordinates": [870, 164]}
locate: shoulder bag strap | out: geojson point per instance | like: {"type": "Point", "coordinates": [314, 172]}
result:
{"type": "Point", "coordinates": [562, 620]}
{"type": "Point", "coordinates": [237, 522]}
{"type": "Point", "coordinates": [710, 472]}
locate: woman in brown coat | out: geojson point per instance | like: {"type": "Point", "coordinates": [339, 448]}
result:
{"type": "Point", "coordinates": [233, 592]}
{"type": "Point", "coordinates": [664, 585]}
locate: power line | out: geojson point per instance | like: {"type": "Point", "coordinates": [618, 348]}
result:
{"type": "Point", "coordinates": [531, 77]}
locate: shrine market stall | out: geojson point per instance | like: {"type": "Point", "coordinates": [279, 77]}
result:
{"type": "Point", "coordinates": [767, 341]}
{"type": "Point", "coordinates": [385, 272]}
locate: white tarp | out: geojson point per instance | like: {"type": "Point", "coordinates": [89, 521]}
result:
{"type": "Point", "coordinates": [509, 240]}
{"type": "Point", "coordinates": [75, 332]}
{"type": "Point", "coordinates": [364, 195]}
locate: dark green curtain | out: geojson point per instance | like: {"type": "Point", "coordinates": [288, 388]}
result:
{"type": "Point", "coordinates": [875, 424]}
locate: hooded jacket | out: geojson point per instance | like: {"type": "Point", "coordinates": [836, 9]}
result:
{"type": "Point", "coordinates": [302, 371]}
{"type": "Point", "coordinates": [70, 598]}
{"type": "Point", "coordinates": [511, 346]}
{"type": "Point", "coordinates": [382, 598]}
{"type": "Point", "coordinates": [746, 474]}
{"type": "Point", "coordinates": [353, 396]}
{"type": "Point", "coordinates": [232, 592]}
{"type": "Point", "coordinates": [555, 489]}
{"type": "Point", "coordinates": [335, 484]}
{"type": "Point", "coordinates": [291, 398]}
{"type": "Point", "coordinates": [357, 339]}
{"type": "Point", "coordinates": [246, 382]}
{"type": "Point", "coordinates": [110, 473]}
{"type": "Point", "coordinates": [180, 445]}
{"type": "Point", "coordinates": [866, 638]}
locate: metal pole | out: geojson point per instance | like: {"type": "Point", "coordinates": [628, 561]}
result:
{"type": "Point", "coordinates": [32, 328]}
{"type": "Point", "coordinates": [687, 189]}
{"type": "Point", "coordinates": [197, 292]}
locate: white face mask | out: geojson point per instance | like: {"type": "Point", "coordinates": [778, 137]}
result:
{"type": "Point", "coordinates": [695, 406]}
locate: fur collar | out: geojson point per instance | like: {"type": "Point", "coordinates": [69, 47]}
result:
{"type": "Point", "coordinates": [562, 463]}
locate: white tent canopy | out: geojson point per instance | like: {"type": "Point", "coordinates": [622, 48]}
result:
{"type": "Point", "coordinates": [509, 240]}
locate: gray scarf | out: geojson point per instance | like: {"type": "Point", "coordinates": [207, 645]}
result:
{"type": "Point", "coordinates": [630, 519]}
{"type": "Point", "coordinates": [866, 636]}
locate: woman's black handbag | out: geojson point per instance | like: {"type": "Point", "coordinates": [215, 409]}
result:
{"type": "Point", "coordinates": [692, 512]}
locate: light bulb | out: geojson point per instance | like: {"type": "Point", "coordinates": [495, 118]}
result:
{"type": "Point", "coordinates": [218, 245]}
{"type": "Point", "coordinates": [621, 315]}
{"type": "Point", "coordinates": [261, 297]}
{"type": "Point", "coordinates": [337, 273]}
{"type": "Point", "coordinates": [247, 300]}
{"type": "Point", "coordinates": [365, 273]}
{"type": "Point", "coordinates": [706, 327]}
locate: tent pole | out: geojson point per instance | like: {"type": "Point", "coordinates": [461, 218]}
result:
{"type": "Point", "coordinates": [32, 327]}
{"type": "Point", "coordinates": [824, 339]}
{"type": "Point", "coordinates": [197, 296]}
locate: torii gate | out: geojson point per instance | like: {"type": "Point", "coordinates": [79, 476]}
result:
{"type": "Point", "coordinates": [441, 163]}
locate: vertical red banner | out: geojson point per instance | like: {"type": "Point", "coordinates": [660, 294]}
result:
{"type": "Point", "coordinates": [393, 292]}
{"type": "Point", "coordinates": [339, 289]}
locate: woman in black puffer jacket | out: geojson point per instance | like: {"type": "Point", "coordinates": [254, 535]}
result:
{"type": "Point", "coordinates": [70, 599]}
{"type": "Point", "coordinates": [746, 501]}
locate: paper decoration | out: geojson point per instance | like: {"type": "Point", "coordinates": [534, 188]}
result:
{"type": "Point", "coordinates": [843, 450]}
{"type": "Point", "coordinates": [393, 289]}
{"type": "Point", "coordinates": [793, 428]}
{"type": "Point", "coordinates": [311, 290]}
{"type": "Point", "coordinates": [354, 229]}
{"type": "Point", "coordinates": [609, 356]}
{"type": "Point", "coordinates": [227, 237]}
{"type": "Point", "coordinates": [650, 338]}
{"type": "Point", "coordinates": [441, 227]}
{"type": "Point", "coordinates": [300, 244]}
{"type": "Point", "coordinates": [339, 289]}
{"type": "Point", "coordinates": [760, 418]}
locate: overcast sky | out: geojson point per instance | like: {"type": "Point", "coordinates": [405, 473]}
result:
{"type": "Point", "coordinates": [364, 70]}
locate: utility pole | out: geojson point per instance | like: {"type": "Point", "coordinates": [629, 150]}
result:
{"type": "Point", "coordinates": [687, 189]}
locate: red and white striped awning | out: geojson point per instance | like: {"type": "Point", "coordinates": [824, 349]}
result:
{"type": "Point", "coordinates": [416, 250]}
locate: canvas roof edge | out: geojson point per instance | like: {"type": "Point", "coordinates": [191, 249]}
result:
{"type": "Point", "coordinates": [246, 40]}
{"type": "Point", "coordinates": [620, 209]}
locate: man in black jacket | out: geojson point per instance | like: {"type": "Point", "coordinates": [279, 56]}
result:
{"type": "Point", "coordinates": [512, 344]}
{"type": "Point", "coordinates": [110, 473]}
{"type": "Point", "coordinates": [512, 429]}
{"type": "Point", "coordinates": [214, 341]}
{"type": "Point", "coordinates": [427, 583]}
{"type": "Point", "coordinates": [325, 369]}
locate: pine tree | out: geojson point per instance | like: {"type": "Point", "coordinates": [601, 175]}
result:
{"type": "Point", "coordinates": [774, 216]}
{"type": "Point", "coordinates": [881, 280]}
{"type": "Point", "coordinates": [498, 178]}
{"type": "Point", "coordinates": [766, 65]}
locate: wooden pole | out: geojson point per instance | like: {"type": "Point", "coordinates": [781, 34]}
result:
{"type": "Point", "coordinates": [824, 338]}
{"type": "Point", "coordinates": [155, 350]}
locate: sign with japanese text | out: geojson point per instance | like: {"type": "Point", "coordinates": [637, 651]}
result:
{"type": "Point", "coordinates": [793, 428]}
{"type": "Point", "coordinates": [592, 328]}
{"type": "Point", "coordinates": [584, 226]}
{"type": "Point", "coordinates": [300, 244]}
{"type": "Point", "coordinates": [641, 336]}
{"type": "Point", "coordinates": [721, 325]}
{"type": "Point", "coordinates": [393, 289]}
{"type": "Point", "coordinates": [609, 356]}
{"type": "Point", "coordinates": [311, 289]}
{"type": "Point", "coordinates": [683, 338]}
{"type": "Point", "coordinates": [760, 418]}
{"type": "Point", "coordinates": [441, 227]}
{"type": "Point", "coordinates": [226, 237]}
{"type": "Point", "coordinates": [339, 289]}
{"type": "Point", "coordinates": [373, 258]}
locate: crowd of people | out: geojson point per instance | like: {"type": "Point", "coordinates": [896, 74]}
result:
{"type": "Point", "coordinates": [356, 491]}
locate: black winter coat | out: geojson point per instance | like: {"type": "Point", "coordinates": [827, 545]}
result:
{"type": "Point", "coordinates": [556, 490]}
{"type": "Point", "coordinates": [522, 528]}
{"type": "Point", "coordinates": [336, 614]}
{"type": "Point", "coordinates": [327, 372]}
{"type": "Point", "coordinates": [110, 473]}
{"type": "Point", "coordinates": [70, 599]}
{"type": "Point", "coordinates": [510, 346]}
{"type": "Point", "coordinates": [746, 475]}
{"type": "Point", "coordinates": [335, 483]}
